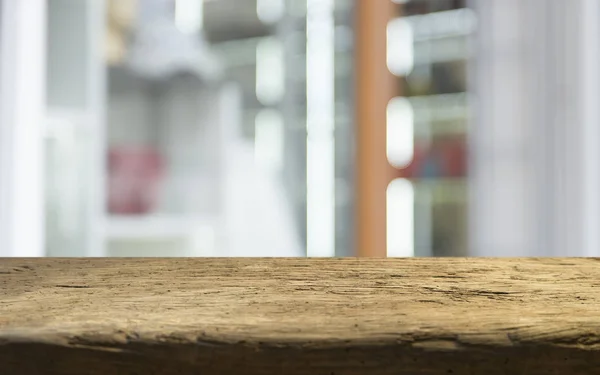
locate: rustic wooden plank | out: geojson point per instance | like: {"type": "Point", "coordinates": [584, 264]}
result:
{"type": "Point", "coordinates": [299, 316]}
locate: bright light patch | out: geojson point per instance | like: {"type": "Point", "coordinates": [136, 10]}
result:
{"type": "Point", "coordinates": [270, 11]}
{"type": "Point", "coordinates": [270, 71]}
{"type": "Point", "coordinates": [320, 149]}
{"type": "Point", "coordinates": [189, 15]}
{"type": "Point", "coordinates": [400, 219]}
{"type": "Point", "coordinates": [400, 47]}
{"type": "Point", "coordinates": [400, 132]}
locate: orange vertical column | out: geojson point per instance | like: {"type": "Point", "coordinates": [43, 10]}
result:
{"type": "Point", "coordinates": [375, 86]}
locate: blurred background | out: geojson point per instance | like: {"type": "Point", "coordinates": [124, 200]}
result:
{"type": "Point", "coordinates": [299, 128]}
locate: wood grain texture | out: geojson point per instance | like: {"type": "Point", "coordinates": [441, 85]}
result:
{"type": "Point", "coordinates": [299, 316]}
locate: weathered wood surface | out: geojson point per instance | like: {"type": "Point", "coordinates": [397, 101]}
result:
{"type": "Point", "coordinates": [299, 316]}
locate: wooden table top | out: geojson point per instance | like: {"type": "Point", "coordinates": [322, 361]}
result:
{"type": "Point", "coordinates": [300, 316]}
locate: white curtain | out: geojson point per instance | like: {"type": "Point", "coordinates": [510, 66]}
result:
{"type": "Point", "coordinates": [535, 179]}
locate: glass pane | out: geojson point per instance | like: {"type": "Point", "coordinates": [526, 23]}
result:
{"type": "Point", "coordinates": [428, 50]}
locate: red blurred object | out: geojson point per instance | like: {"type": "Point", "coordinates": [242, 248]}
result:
{"type": "Point", "coordinates": [134, 176]}
{"type": "Point", "coordinates": [443, 158]}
